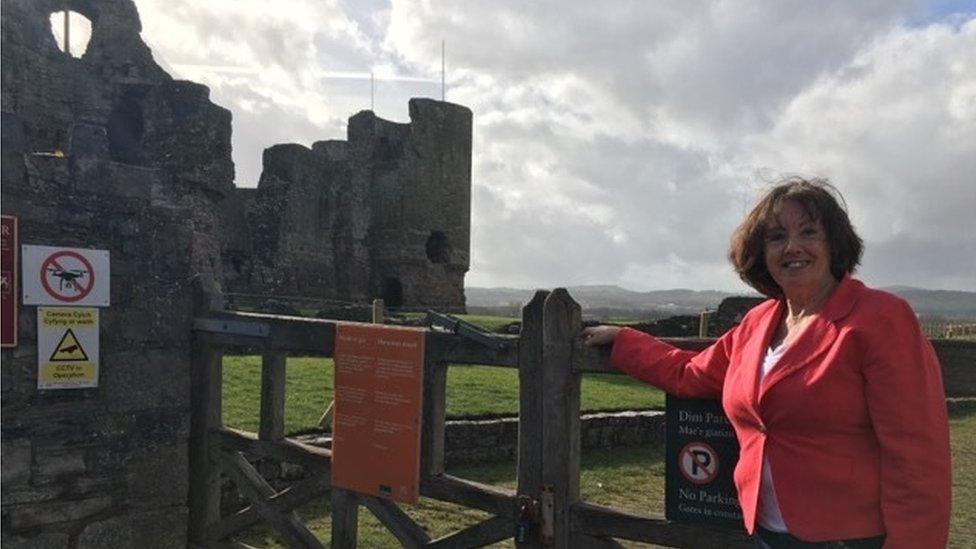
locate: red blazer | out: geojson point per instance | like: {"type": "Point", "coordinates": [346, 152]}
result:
{"type": "Point", "coordinates": [852, 417]}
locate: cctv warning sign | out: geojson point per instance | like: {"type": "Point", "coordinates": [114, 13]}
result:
{"type": "Point", "coordinates": [69, 350]}
{"type": "Point", "coordinates": [67, 347]}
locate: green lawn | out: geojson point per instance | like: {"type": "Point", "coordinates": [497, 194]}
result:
{"type": "Point", "coordinates": [629, 478]}
{"type": "Point", "coordinates": [488, 322]}
{"type": "Point", "coordinates": [472, 391]}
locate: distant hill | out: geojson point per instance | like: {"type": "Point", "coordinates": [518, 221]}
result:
{"type": "Point", "coordinates": [950, 304]}
{"type": "Point", "coordinates": [607, 300]}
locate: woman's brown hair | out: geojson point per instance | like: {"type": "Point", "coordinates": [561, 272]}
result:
{"type": "Point", "coordinates": [822, 201]}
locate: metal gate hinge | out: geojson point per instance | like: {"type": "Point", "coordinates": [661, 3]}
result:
{"type": "Point", "coordinates": [546, 515]}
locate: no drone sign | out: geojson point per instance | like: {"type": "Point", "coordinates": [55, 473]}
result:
{"type": "Point", "coordinates": [65, 276]}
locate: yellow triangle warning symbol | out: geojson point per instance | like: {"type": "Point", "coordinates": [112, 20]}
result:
{"type": "Point", "coordinates": [69, 349]}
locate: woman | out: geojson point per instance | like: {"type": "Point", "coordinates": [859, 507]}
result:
{"type": "Point", "coordinates": [834, 393]}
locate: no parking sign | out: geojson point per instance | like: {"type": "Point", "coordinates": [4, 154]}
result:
{"type": "Point", "coordinates": [701, 451]}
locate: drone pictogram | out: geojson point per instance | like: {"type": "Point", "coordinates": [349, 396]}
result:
{"type": "Point", "coordinates": [74, 273]}
{"type": "Point", "coordinates": [68, 276]}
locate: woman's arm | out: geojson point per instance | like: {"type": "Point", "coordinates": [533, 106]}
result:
{"type": "Point", "coordinates": [907, 405]}
{"type": "Point", "coordinates": [687, 374]}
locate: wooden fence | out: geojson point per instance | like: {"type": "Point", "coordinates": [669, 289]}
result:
{"type": "Point", "coordinates": [550, 359]}
{"type": "Point", "coordinates": [950, 330]}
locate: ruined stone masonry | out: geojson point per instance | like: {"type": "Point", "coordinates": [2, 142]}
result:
{"type": "Point", "coordinates": [107, 151]}
{"type": "Point", "coordinates": [385, 214]}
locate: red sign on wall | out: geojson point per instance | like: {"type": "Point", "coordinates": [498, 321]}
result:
{"type": "Point", "coordinates": [378, 406]}
{"type": "Point", "coordinates": [8, 282]}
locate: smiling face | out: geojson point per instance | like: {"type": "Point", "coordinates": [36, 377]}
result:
{"type": "Point", "coordinates": [797, 252]}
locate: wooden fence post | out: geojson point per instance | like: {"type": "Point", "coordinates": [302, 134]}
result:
{"type": "Point", "coordinates": [379, 315]}
{"type": "Point", "coordinates": [531, 390]}
{"type": "Point", "coordinates": [562, 323]}
{"type": "Point", "coordinates": [205, 416]}
{"type": "Point", "coordinates": [272, 426]}
{"type": "Point", "coordinates": [434, 420]}
{"type": "Point", "coordinates": [345, 518]}
{"type": "Point", "coordinates": [703, 323]}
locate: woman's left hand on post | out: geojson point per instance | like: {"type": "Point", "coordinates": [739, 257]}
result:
{"type": "Point", "coordinates": [600, 335]}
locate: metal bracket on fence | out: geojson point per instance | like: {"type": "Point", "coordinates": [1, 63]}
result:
{"type": "Point", "coordinates": [235, 327]}
{"type": "Point", "coordinates": [547, 515]}
{"type": "Point", "coordinates": [465, 329]}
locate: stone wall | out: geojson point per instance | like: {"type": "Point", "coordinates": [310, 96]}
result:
{"type": "Point", "coordinates": [385, 214]}
{"type": "Point", "coordinates": [471, 441]}
{"type": "Point", "coordinates": [958, 359]}
{"type": "Point", "coordinates": [306, 225]}
{"type": "Point", "coordinates": [421, 197]}
{"type": "Point", "coordinates": [107, 152]}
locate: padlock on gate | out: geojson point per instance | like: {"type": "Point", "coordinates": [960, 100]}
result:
{"type": "Point", "coordinates": [527, 526]}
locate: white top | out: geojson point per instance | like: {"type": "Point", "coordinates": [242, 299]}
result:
{"type": "Point", "coordinates": [768, 515]}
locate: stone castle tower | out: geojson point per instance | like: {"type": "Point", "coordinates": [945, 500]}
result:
{"type": "Point", "coordinates": [385, 214]}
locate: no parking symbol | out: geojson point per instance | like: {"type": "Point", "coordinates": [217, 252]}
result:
{"type": "Point", "coordinates": [698, 462]}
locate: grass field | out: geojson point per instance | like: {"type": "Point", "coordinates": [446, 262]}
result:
{"type": "Point", "coordinates": [472, 391]}
{"type": "Point", "coordinates": [631, 478]}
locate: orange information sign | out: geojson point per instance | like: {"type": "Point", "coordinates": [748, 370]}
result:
{"type": "Point", "coordinates": [378, 407]}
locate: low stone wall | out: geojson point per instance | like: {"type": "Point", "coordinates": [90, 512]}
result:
{"type": "Point", "coordinates": [468, 441]}
{"type": "Point", "coordinates": [958, 359]}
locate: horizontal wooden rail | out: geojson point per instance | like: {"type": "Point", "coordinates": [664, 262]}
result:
{"type": "Point", "coordinates": [597, 359]}
{"type": "Point", "coordinates": [596, 520]}
{"type": "Point", "coordinates": [486, 532]}
{"type": "Point", "coordinates": [256, 333]}
{"type": "Point", "coordinates": [493, 499]}
{"type": "Point", "coordinates": [287, 450]}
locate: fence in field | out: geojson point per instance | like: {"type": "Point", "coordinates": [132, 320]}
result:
{"type": "Point", "coordinates": [550, 360]}
{"type": "Point", "coordinates": [949, 330]}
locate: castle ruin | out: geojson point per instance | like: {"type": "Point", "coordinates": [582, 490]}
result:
{"type": "Point", "coordinates": [109, 152]}
{"type": "Point", "coordinates": [385, 214]}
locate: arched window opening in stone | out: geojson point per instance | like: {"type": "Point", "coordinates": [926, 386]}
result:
{"type": "Point", "coordinates": [392, 293]}
{"type": "Point", "coordinates": [438, 247]}
{"type": "Point", "coordinates": [125, 127]}
{"type": "Point", "coordinates": [79, 32]}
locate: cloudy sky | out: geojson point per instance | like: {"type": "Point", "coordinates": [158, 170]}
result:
{"type": "Point", "coordinates": [621, 142]}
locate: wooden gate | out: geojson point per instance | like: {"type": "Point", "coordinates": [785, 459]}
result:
{"type": "Point", "coordinates": [546, 504]}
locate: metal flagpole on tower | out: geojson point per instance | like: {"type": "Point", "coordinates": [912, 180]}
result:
{"type": "Point", "coordinates": [443, 79]}
{"type": "Point", "coordinates": [67, 30]}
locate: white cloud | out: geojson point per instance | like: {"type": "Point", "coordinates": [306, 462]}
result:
{"type": "Point", "coordinates": [622, 143]}
{"type": "Point", "coordinates": [891, 129]}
